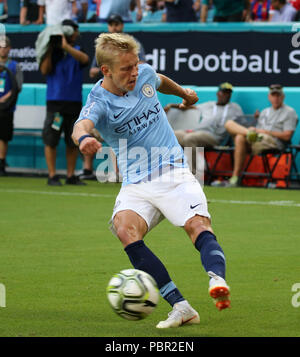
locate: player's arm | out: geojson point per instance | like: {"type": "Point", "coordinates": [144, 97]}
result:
{"type": "Point", "coordinates": [177, 106]}
{"type": "Point", "coordinates": [168, 86]}
{"type": "Point", "coordinates": [83, 137]}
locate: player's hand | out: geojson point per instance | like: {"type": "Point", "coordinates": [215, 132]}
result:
{"type": "Point", "coordinates": [189, 99]}
{"type": "Point", "coordinates": [90, 146]}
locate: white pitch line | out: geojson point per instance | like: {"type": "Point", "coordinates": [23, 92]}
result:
{"type": "Point", "coordinates": [61, 193]}
{"type": "Point", "coordinates": [263, 203]}
{"type": "Point", "coordinates": [100, 195]}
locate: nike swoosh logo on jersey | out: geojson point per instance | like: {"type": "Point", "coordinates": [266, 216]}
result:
{"type": "Point", "coordinates": [117, 116]}
{"type": "Point", "coordinates": [192, 207]}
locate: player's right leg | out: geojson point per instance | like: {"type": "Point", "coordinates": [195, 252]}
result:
{"type": "Point", "coordinates": [131, 227]}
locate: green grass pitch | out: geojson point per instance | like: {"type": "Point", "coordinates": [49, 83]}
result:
{"type": "Point", "coordinates": [57, 256]}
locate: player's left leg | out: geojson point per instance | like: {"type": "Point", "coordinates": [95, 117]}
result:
{"type": "Point", "coordinates": [212, 257]}
{"type": "Point", "coordinates": [184, 204]}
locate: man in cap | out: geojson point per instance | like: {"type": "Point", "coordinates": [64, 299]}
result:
{"type": "Point", "coordinates": [274, 129]}
{"type": "Point", "coordinates": [213, 116]}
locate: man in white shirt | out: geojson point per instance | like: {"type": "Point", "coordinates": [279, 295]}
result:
{"type": "Point", "coordinates": [56, 10]}
{"type": "Point", "coordinates": [282, 11]}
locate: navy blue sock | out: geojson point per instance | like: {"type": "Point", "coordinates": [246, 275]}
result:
{"type": "Point", "coordinates": [142, 258]}
{"type": "Point", "coordinates": [212, 255]}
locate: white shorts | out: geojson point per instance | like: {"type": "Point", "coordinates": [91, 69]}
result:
{"type": "Point", "coordinates": [175, 195]}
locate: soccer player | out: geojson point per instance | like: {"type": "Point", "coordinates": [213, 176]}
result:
{"type": "Point", "coordinates": [157, 182]}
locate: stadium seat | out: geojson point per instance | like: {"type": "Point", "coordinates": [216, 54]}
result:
{"type": "Point", "coordinates": [219, 159]}
{"type": "Point", "coordinates": [271, 168]}
{"type": "Point", "coordinates": [184, 119]}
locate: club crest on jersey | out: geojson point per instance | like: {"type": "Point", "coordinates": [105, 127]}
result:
{"type": "Point", "coordinates": [148, 90]}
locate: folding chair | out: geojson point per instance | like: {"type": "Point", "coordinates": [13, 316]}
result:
{"type": "Point", "coordinates": [268, 174]}
{"type": "Point", "coordinates": [226, 147]}
{"type": "Point", "coordinates": [211, 170]}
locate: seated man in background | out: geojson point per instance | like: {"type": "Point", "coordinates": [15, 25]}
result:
{"type": "Point", "coordinates": [275, 127]}
{"type": "Point", "coordinates": [213, 116]}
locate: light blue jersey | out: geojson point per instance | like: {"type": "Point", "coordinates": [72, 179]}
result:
{"type": "Point", "coordinates": [135, 126]}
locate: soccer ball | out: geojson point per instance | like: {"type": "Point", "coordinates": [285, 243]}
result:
{"type": "Point", "coordinates": [133, 294]}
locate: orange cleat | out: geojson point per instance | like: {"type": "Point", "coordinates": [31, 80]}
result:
{"type": "Point", "coordinates": [219, 291]}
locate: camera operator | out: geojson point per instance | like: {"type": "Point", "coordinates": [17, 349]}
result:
{"type": "Point", "coordinates": [63, 65]}
{"type": "Point", "coordinates": [11, 80]}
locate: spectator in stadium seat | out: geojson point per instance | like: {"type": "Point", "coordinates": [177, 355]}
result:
{"type": "Point", "coordinates": [180, 10]}
{"type": "Point", "coordinates": [29, 13]}
{"type": "Point", "coordinates": [156, 184]}
{"type": "Point", "coordinates": [283, 11]}
{"type": "Point", "coordinates": [6, 93]}
{"type": "Point", "coordinates": [213, 116]}
{"type": "Point", "coordinates": [260, 10]}
{"type": "Point", "coordinates": [12, 8]}
{"type": "Point", "coordinates": [227, 10]}
{"type": "Point", "coordinates": [105, 8]}
{"type": "Point", "coordinates": [81, 11]}
{"type": "Point", "coordinates": [274, 129]}
{"type": "Point", "coordinates": [56, 11]}
{"type": "Point", "coordinates": [63, 65]}
{"type": "Point", "coordinates": [153, 11]}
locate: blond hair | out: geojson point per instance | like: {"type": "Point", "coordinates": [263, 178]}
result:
{"type": "Point", "coordinates": [109, 46]}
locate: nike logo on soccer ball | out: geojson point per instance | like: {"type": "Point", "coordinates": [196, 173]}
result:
{"type": "Point", "coordinates": [117, 116]}
{"type": "Point", "coordinates": [192, 207]}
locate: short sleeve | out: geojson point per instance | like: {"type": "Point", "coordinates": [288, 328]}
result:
{"type": "Point", "coordinates": [291, 121]}
{"type": "Point", "coordinates": [157, 81]}
{"type": "Point", "coordinates": [93, 110]}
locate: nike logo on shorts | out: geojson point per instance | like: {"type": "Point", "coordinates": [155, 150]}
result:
{"type": "Point", "coordinates": [192, 207]}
